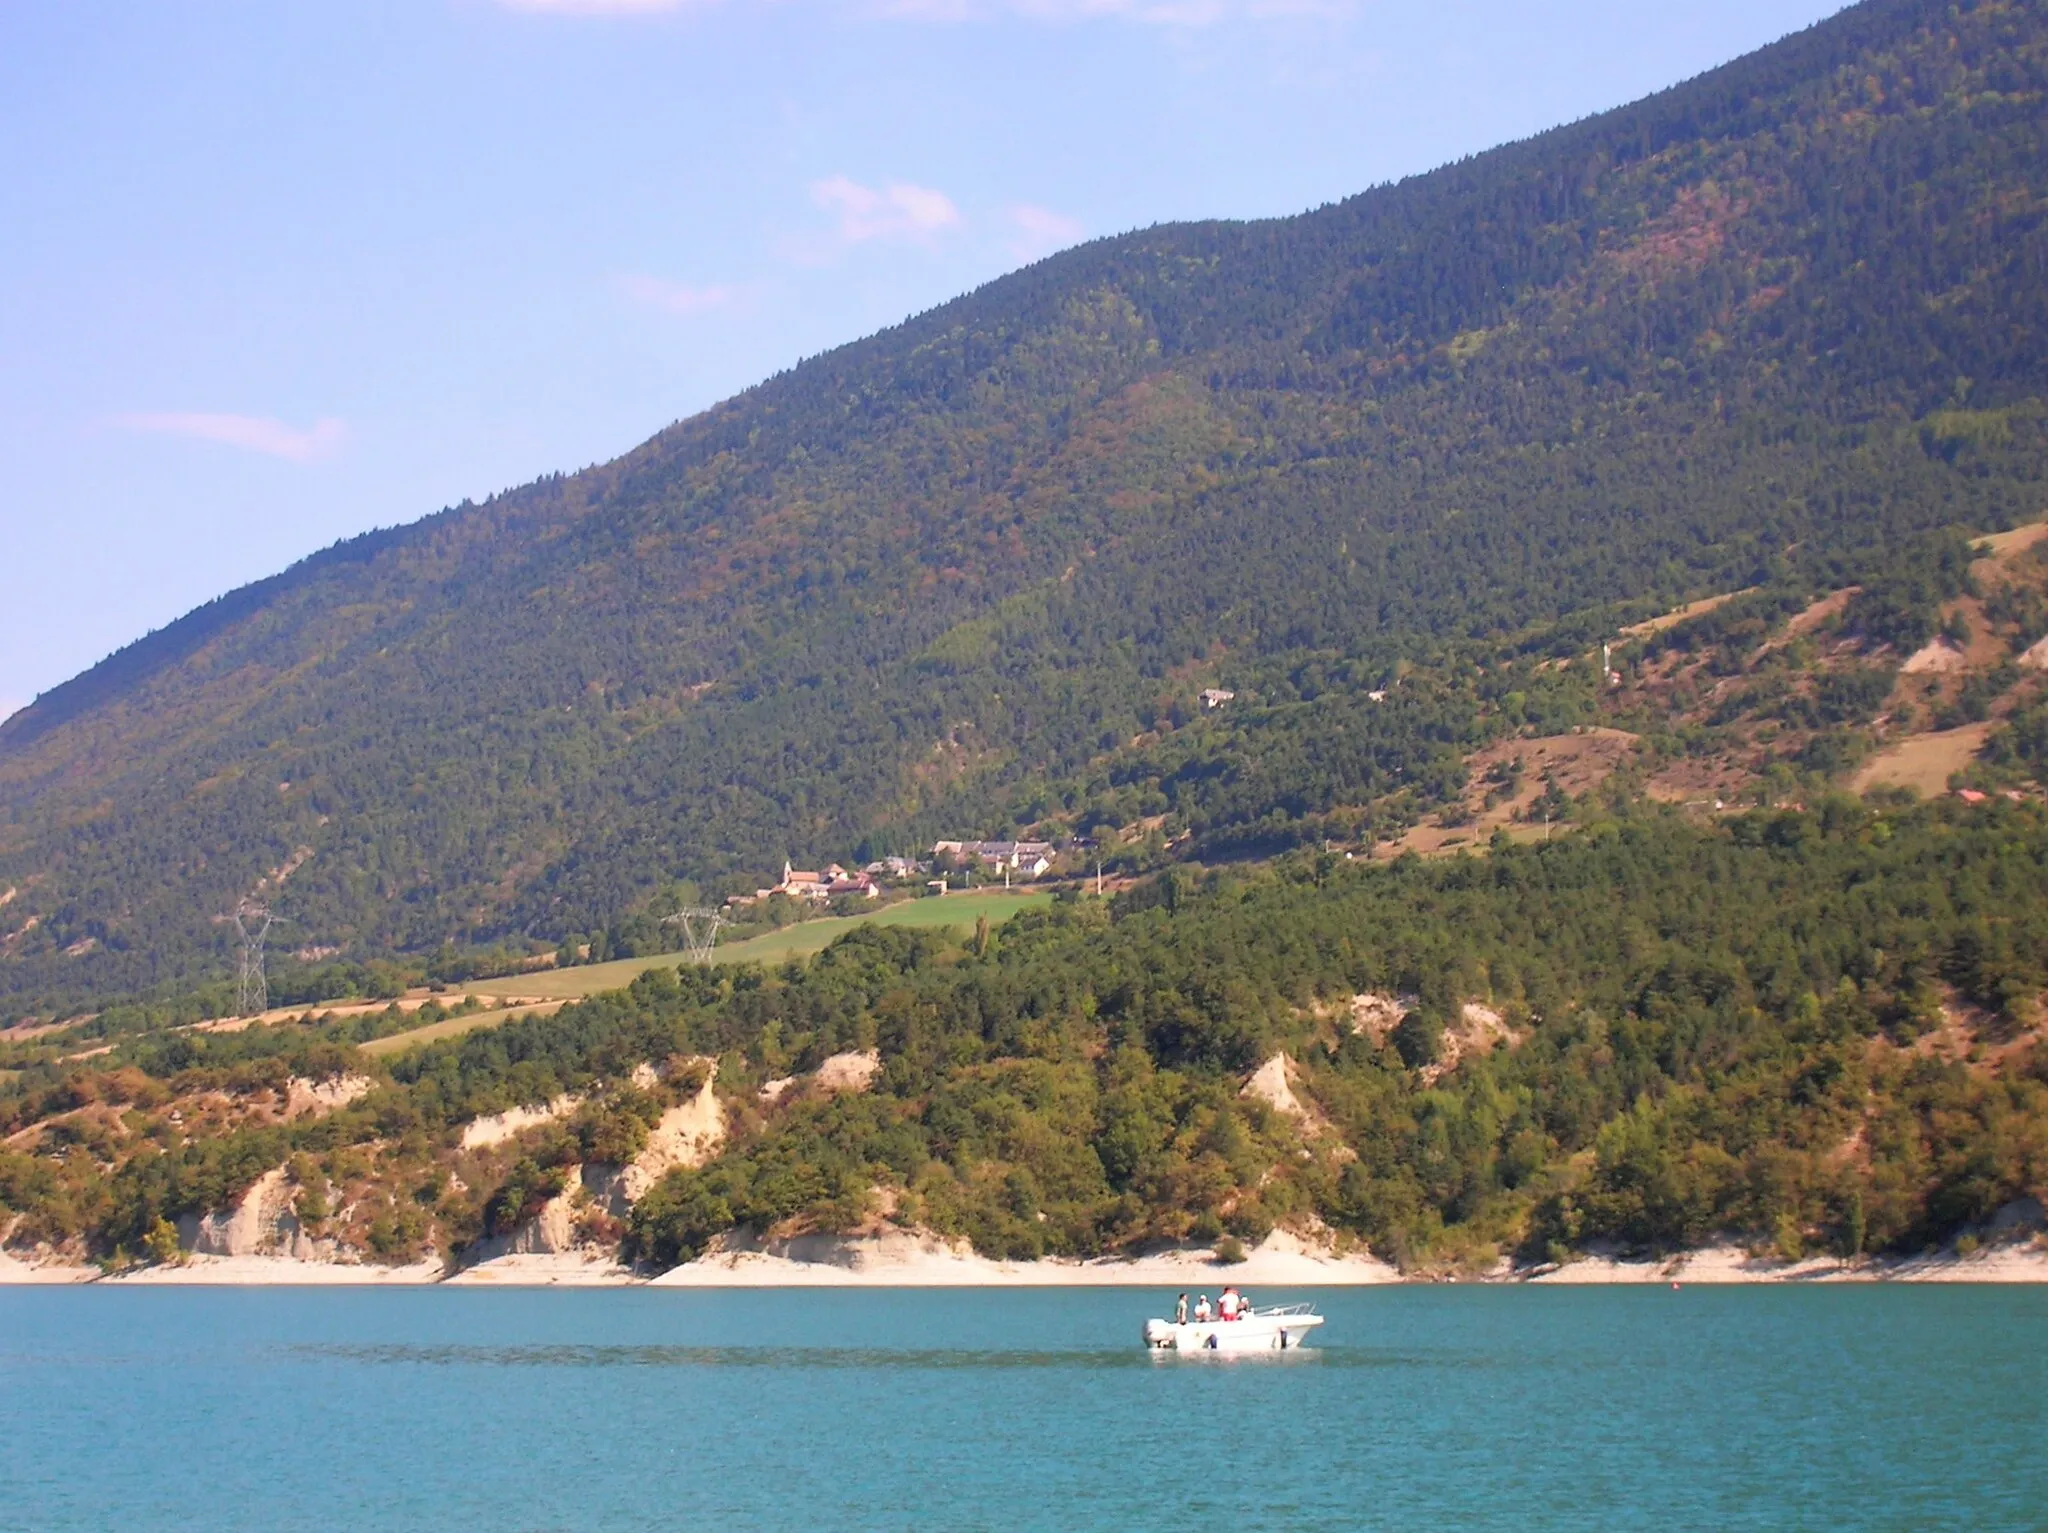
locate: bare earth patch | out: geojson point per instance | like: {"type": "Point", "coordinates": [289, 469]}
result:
{"type": "Point", "coordinates": [854, 1071]}
{"type": "Point", "coordinates": [1970, 1036]}
{"type": "Point", "coordinates": [261, 1223]}
{"type": "Point", "coordinates": [304, 1098]}
{"type": "Point", "coordinates": [1375, 1015]}
{"type": "Point", "coordinates": [1708, 780]}
{"type": "Point", "coordinates": [412, 1000]}
{"type": "Point", "coordinates": [1937, 658]}
{"type": "Point", "coordinates": [1923, 762]}
{"type": "Point", "coordinates": [1816, 613]}
{"type": "Point", "coordinates": [2006, 546]}
{"type": "Point", "coordinates": [482, 1133]}
{"type": "Point", "coordinates": [849, 1072]}
{"type": "Point", "coordinates": [1480, 1030]}
{"type": "Point", "coordinates": [1269, 1084]}
{"type": "Point", "coordinates": [1273, 1083]}
{"type": "Point", "coordinates": [687, 1135]}
{"type": "Point", "coordinates": [1580, 762]}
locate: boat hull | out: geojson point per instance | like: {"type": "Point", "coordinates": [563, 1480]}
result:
{"type": "Point", "coordinates": [1260, 1333]}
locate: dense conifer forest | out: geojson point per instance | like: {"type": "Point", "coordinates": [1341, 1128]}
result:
{"type": "Point", "coordinates": [1813, 1030]}
{"type": "Point", "coordinates": [1624, 554]}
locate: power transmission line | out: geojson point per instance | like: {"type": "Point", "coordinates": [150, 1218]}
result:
{"type": "Point", "coordinates": [252, 925]}
{"type": "Point", "coordinates": [700, 930]}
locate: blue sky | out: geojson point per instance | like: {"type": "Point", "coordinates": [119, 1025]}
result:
{"type": "Point", "coordinates": [271, 274]}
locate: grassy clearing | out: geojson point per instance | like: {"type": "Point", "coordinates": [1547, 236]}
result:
{"type": "Point", "coordinates": [1678, 615]}
{"type": "Point", "coordinates": [959, 911]}
{"type": "Point", "coordinates": [455, 1027]}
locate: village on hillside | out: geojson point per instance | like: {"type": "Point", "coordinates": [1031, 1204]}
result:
{"type": "Point", "coordinates": [950, 864]}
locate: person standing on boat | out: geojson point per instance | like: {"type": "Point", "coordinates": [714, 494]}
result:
{"type": "Point", "coordinates": [1227, 1306]}
{"type": "Point", "coordinates": [1202, 1310]}
{"type": "Point", "coordinates": [1180, 1310]}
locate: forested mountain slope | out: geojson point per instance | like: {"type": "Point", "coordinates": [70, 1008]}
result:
{"type": "Point", "coordinates": [1802, 1031]}
{"type": "Point", "coordinates": [1775, 321]}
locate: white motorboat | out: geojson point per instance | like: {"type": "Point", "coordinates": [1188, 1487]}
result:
{"type": "Point", "coordinates": [1276, 1328]}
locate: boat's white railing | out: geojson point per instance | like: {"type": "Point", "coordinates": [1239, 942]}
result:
{"type": "Point", "coordinates": [1279, 1311]}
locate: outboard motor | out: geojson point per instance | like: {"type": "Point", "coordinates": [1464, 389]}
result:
{"type": "Point", "coordinates": [1158, 1334]}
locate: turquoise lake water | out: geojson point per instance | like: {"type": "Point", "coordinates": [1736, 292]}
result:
{"type": "Point", "coordinates": [1860, 1407]}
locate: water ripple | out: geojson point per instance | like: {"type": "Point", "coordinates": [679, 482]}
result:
{"type": "Point", "coordinates": [447, 1355]}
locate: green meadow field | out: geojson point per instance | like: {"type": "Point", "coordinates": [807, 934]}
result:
{"type": "Point", "coordinates": [800, 941]}
{"type": "Point", "coordinates": [545, 991]}
{"type": "Point", "coordinates": [454, 1027]}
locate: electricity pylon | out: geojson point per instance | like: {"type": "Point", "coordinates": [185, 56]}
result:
{"type": "Point", "coordinates": [700, 930]}
{"type": "Point", "coordinates": [252, 924]}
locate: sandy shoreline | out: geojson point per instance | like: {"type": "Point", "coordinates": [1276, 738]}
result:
{"type": "Point", "coordinates": [902, 1260]}
{"type": "Point", "coordinates": [1732, 1264]}
{"type": "Point", "coordinates": [908, 1261]}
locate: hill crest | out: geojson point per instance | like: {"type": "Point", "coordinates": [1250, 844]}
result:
{"type": "Point", "coordinates": [1765, 328]}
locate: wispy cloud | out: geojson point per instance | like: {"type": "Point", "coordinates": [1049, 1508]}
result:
{"type": "Point", "coordinates": [252, 433]}
{"type": "Point", "coordinates": [1171, 13]}
{"type": "Point", "coordinates": [675, 298]}
{"type": "Point", "coordinates": [898, 211]}
{"type": "Point", "coordinates": [600, 7]}
{"type": "Point", "coordinates": [1040, 231]}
